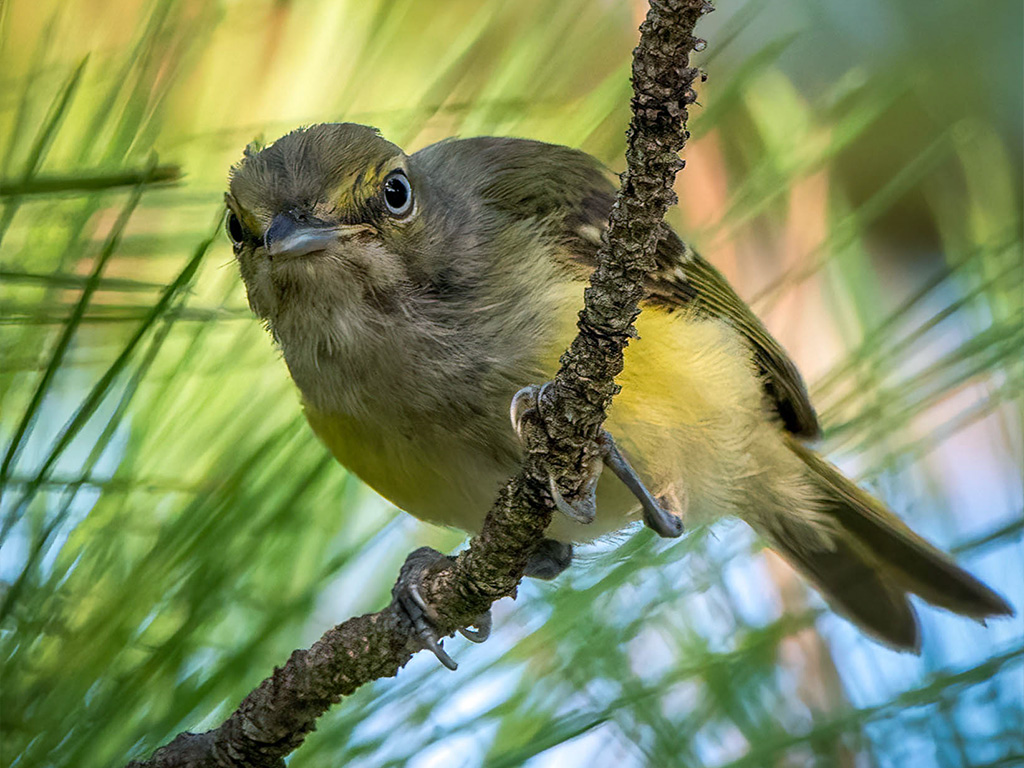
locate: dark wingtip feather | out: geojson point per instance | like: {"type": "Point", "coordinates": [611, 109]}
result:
{"type": "Point", "coordinates": [799, 419]}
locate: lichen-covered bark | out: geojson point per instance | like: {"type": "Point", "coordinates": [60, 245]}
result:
{"type": "Point", "coordinates": [274, 719]}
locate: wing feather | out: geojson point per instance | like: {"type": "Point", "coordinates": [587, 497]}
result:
{"type": "Point", "coordinates": [685, 278]}
{"type": "Point", "coordinates": [573, 194]}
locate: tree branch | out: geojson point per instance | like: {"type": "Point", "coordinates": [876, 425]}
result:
{"type": "Point", "coordinates": [560, 442]}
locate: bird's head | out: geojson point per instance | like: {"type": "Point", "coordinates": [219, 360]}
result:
{"type": "Point", "coordinates": [325, 216]}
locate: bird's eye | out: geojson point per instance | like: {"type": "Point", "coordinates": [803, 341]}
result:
{"type": "Point", "coordinates": [235, 229]}
{"type": "Point", "coordinates": [398, 194]}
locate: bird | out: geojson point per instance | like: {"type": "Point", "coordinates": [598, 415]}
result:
{"type": "Point", "coordinates": [413, 297]}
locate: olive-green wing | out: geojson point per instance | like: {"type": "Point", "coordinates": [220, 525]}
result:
{"type": "Point", "coordinates": [685, 279]}
{"type": "Point", "coordinates": [573, 194]}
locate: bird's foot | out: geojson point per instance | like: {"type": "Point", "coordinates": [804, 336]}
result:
{"type": "Point", "coordinates": [527, 402]}
{"type": "Point", "coordinates": [423, 617]}
{"type": "Point", "coordinates": [549, 559]}
{"type": "Point", "coordinates": [656, 517]}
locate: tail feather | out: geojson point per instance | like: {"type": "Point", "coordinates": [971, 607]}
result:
{"type": "Point", "coordinates": [875, 560]}
{"type": "Point", "coordinates": [857, 590]}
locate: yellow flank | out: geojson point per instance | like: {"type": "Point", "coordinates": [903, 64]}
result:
{"type": "Point", "coordinates": [687, 414]}
{"type": "Point", "coordinates": [692, 420]}
{"type": "Point", "coordinates": [690, 417]}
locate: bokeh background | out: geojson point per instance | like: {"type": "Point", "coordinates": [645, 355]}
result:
{"type": "Point", "coordinates": [170, 528]}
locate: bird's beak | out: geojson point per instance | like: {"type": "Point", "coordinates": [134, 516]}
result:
{"type": "Point", "coordinates": [289, 237]}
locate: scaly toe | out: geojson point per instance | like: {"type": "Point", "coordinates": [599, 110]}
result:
{"type": "Point", "coordinates": [663, 523]}
{"type": "Point", "coordinates": [423, 617]}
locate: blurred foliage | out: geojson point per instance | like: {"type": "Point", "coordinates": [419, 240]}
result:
{"type": "Point", "coordinates": [170, 529]}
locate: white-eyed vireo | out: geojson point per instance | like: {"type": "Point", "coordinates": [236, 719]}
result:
{"type": "Point", "coordinates": [414, 295]}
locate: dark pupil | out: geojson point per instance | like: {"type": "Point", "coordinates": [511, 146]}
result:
{"type": "Point", "coordinates": [396, 193]}
{"type": "Point", "coordinates": [235, 230]}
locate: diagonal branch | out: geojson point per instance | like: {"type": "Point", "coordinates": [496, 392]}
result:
{"type": "Point", "coordinates": [274, 719]}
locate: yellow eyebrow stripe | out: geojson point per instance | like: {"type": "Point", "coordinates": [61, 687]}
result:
{"type": "Point", "coordinates": [360, 186]}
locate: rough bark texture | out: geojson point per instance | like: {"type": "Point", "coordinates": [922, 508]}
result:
{"type": "Point", "coordinates": [274, 719]}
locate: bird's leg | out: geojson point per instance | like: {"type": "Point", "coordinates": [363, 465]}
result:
{"type": "Point", "coordinates": [425, 620]}
{"type": "Point", "coordinates": [528, 400]}
{"type": "Point", "coordinates": [663, 523]}
{"type": "Point", "coordinates": [549, 559]}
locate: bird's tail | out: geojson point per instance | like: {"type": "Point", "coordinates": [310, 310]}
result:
{"type": "Point", "coordinates": [874, 561]}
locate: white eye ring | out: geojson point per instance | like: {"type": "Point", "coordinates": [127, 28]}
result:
{"type": "Point", "coordinates": [398, 194]}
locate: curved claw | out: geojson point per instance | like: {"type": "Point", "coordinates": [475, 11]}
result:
{"type": "Point", "coordinates": [523, 402]}
{"type": "Point", "coordinates": [584, 510]}
{"type": "Point", "coordinates": [425, 631]}
{"type": "Point", "coordinates": [526, 402]}
{"type": "Point", "coordinates": [483, 629]}
{"type": "Point", "coordinates": [434, 646]}
{"type": "Point", "coordinates": [424, 619]}
{"type": "Point", "coordinates": [412, 589]}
